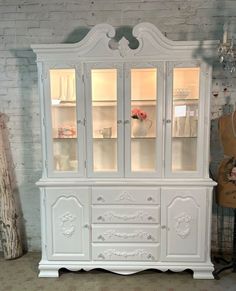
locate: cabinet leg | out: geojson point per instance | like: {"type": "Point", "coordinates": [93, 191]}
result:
{"type": "Point", "coordinates": [203, 275]}
{"type": "Point", "coordinates": [48, 273]}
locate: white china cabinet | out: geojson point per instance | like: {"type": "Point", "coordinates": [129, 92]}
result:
{"type": "Point", "coordinates": [125, 183]}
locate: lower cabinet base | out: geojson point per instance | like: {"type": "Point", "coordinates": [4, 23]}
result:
{"type": "Point", "coordinates": [200, 270]}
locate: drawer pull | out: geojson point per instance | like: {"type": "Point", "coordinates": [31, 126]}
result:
{"type": "Point", "coordinates": [101, 256]}
{"type": "Point", "coordinates": [149, 237]}
{"type": "Point", "coordinates": [100, 199]}
{"type": "Point", "coordinates": [150, 257]}
{"type": "Point", "coordinates": [100, 218]}
{"type": "Point", "coordinates": [100, 237]}
{"type": "Point", "coordinates": [150, 199]}
{"type": "Point", "coordinates": [150, 218]}
{"type": "Point", "coordinates": [86, 226]}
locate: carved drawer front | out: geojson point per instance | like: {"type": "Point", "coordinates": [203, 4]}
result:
{"type": "Point", "coordinates": [130, 233]}
{"type": "Point", "coordinates": [116, 252]}
{"type": "Point", "coordinates": [126, 195]}
{"type": "Point", "coordinates": [125, 214]}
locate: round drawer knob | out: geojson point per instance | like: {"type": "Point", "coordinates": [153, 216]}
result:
{"type": "Point", "coordinates": [150, 198]}
{"type": "Point", "coordinates": [100, 199]}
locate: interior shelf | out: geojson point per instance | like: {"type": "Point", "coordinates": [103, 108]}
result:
{"type": "Point", "coordinates": [143, 138]}
{"type": "Point", "coordinates": [139, 102]}
{"type": "Point", "coordinates": [59, 103]}
{"type": "Point", "coordinates": [133, 138]}
{"type": "Point", "coordinates": [184, 137]}
{"type": "Point", "coordinates": [101, 103]}
{"type": "Point", "coordinates": [60, 138]}
{"type": "Point", "coordinates": [148, 102]}
{"type": "Point", "coordinates": [105, 138]}
{"type": "Point", "coordinates": [185, 101]}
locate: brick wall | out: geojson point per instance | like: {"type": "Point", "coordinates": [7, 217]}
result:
{"type": "Point", "coordinates": [54, 21]}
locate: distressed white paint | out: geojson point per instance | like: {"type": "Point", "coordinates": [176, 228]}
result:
{"type": "Point", "coordinates": [48, 22]}
{"type": "Point", "coordinates": [179, 205]}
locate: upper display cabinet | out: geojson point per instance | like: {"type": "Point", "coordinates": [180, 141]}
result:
{"type": "Point", "coordinates": [112, 111]}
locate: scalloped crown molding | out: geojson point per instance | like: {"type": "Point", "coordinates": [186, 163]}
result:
{"type": "Point", "coordinates": [100, 42]}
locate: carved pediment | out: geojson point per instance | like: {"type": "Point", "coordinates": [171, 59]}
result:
{"type": "Point", "coordinates": [100, 42]}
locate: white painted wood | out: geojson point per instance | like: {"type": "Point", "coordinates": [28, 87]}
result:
{"type": "Point", "coordinates": [122, 252]}
{"type": "Point", "coordinates": [49, 162]}
{"type": "Point", "coordinates": [67, 213]}
{"type": "Point", "coordinates": [88, 96]}
{"type": "Point", "coordinates": [125, 214]}
{"type": "Point", "coordinates": [138, 220]}
{"type": "Point", "coordinates": [183, 224]}
{"type": "Point", "coordinates": [125, 195]}
{"type": "Point", "coordinates": [201, 120]}
{"type": "Point", "coordinates": [127, 233]}
{"type": "Point", "coordinates": [157, 171]}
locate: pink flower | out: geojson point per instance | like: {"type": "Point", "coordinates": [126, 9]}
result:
{"type": "Point", "coordinates": [137, 113]}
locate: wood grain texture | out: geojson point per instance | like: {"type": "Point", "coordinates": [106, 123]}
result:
{"type": "Point", "coordinates": [10, 237]}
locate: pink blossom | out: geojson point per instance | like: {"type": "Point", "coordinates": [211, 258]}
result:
{"type": "Point", "coordinates": [137, 113]}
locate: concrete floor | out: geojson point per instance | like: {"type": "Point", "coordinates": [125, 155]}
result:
{"type": "Point", "coordinates": [21, 275]}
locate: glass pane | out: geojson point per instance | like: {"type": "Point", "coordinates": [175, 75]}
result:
{"type": "Point", "coordinates": [143, 119]}
{"type": "Point", "coordinates": [64, 126]}
{"type": "Point", "coordinates": [104, 119]}
{"type": "Point", "coordinates": [185, 118]}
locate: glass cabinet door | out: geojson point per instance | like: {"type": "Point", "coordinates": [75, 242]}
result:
{"type": "Point", "coordinates": [183, 121]}
{"type": "Point", "coordinates": [63, 116]}
{"type": "Point", "coordinates": [104, 126]}
{"type": "Point", "coordinates": [143, 120]}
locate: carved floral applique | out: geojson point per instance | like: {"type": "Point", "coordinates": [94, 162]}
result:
{"type": "Point", "coordinates": [67, 225]}
{"type": "Point", "coordinates": [183, 224]}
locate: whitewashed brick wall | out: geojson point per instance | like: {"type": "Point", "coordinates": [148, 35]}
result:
{"type": "Point", "coordinates": [24, 22]}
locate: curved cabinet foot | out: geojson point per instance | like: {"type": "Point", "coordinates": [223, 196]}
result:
{"type": "Point", "coordinates": [202, 274]}
{"type": "Point", "coordinates": [49, 273]}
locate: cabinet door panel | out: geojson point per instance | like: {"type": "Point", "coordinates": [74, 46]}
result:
{"type": "Point", "coordinates": [64, 121]}
{"type": "Point", "coordinates": [143, 118]}
{"type": "Point", "coordinates": [67, 218]}
{"type": "Point", "coordinates": [183, 221]}
{"type": "Point", "coordinates": [104, 92]}
{"type": "Point", "coordinates": [185, 119]}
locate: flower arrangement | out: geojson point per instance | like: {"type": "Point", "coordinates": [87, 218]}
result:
{"type": "Point", "coordinates": [137, 113]}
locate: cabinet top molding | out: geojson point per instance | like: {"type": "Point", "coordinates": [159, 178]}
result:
{"type": "Point", "coordinates": [100, 42]}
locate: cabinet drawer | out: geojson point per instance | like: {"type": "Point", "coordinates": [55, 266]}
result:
{"type": "Point", "coordinates": [125, 214]}
{"type": "Point", "coordinates": [126, 195]}
{"type": "Point", "coordinates": [129, 233]}
{"type": "Point", "coordinates": [116, 252]}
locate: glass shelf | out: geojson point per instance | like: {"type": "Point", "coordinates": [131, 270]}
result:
{"type": "Point", "coordinates": [101, 103]}
{"type": "Point", "coordinates": [106, 103]}
{"type": "Point", "coordinates": [64, 104]}
{"type": "Point", "coordinates": [133, 138]}
{"type": "Point", "coordinates": [59, 138]}
{"type": "Point", "coordinates": [143, 137]}
{"type": "Point", "coordinates": [105, 138]}
{"type": "Point", "coordinates": [185, 136]}
{"type": "Point", "coordinates": [193, 102]}
{"type": "Point", "coordinates": [148, 102]}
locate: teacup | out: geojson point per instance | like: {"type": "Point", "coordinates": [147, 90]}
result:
{"type": "Point", "coordinates": [106, 132]}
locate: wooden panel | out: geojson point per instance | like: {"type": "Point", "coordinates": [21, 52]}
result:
{"type": "Point", "coordinates": [128, 233]}
{"type": "Point", "coordinates": [126, 195]}
{"type": "Point", "coordinates": [125, 214]}
{"type": "Point", "coordinates": [116, 252]}
{"type": "Point", "coordinates": [67, 218]}
{"type": "Point", "coordinates": [183, 224]}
